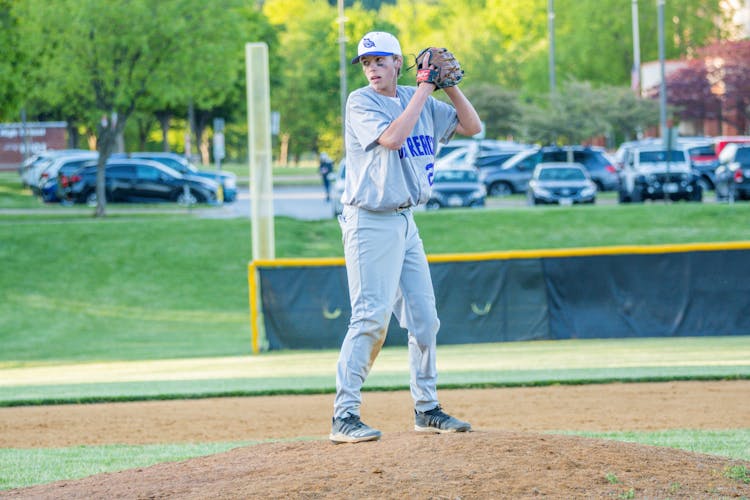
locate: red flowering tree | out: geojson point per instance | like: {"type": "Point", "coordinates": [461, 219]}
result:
{"type": "Point", "coordinates": [728, 70]}
{"type": "Point", "coordinates": [690, 91]}
{"type": "Point", "coordinates": [715, 85]}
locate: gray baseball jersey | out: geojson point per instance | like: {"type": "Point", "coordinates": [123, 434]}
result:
{"type": "Point", "coordinates": [381, 179]}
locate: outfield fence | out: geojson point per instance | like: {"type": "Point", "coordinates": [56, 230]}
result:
{"type": "Point", "coordinates": [606, 292]}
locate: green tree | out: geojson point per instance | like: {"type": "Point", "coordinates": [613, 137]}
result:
{"type": "Point", "coordinates": [108, 58]}
{"type": "Point", "coordinates": [8, 62]}
{"type": "Point", "coordinates": [232, 107]}
{"type": "Point", "coordinates": [627, 114]}
{"type": "Point", "coordinates": [308, 96]}
{"type": "Point", "coordinates": [571, 116]}
{"type": "Point", "coordinates": [499, 109]}
{"type": "Point", "coordinates": [579, 112]}
{"type": "Point", "coordinates": [594, 38]}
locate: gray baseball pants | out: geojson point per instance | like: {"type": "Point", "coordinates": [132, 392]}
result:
{"type": "Point", "coordinates": [388, 274]}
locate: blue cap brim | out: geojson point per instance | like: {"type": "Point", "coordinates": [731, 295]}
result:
{"type": "Point", "coordinates": [356, 59]}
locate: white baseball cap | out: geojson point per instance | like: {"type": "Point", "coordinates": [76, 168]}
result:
{"type": "Point", "coordinates": [377, 43]}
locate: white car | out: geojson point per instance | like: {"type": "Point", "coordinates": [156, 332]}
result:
{"type": "Point", "coordinates": [652, 172]}
{"type": "Point", "coordinates": [32, 169]}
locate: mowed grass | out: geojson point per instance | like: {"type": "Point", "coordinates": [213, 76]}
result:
{"type": "Point", "coordinates": [14, 195]}
{"type": "Point", "coordinates": [734, 443]}
{"type": "Point", "coordinates": [507, 364]}
{"type": "Point", "coordinates": [26, 467]}
{"type": "Point", "coordinates": [170, 286]}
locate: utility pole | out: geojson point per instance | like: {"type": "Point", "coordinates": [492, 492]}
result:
{"type": "Point", "coordinates": [551, 29]}
{"type": "Point", "coordinates": [663, 82]}
{"type": "Point", "coordinates": [635, 77]}
{"type": "Point", "coordinates": [342, 68]}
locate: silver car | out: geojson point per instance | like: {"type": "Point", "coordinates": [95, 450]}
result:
{"type": "Point", "coordinates": [561, 183]}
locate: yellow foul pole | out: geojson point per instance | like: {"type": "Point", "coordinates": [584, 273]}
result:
{"type": "Point", "coordinates": [261, 175]}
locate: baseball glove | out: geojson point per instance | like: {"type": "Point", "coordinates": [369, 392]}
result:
{"type": "Point", "coordinates": [438, 66]}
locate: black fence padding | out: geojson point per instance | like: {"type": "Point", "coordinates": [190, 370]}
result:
{"type": "Point", "coordinates": [490, 301]}
{"type": "Point", "coordinates": [596, 296]}
{"type": "Point", "coordinates": [655, 295]}
{"type": "Point", "coordinates": [305, 307]}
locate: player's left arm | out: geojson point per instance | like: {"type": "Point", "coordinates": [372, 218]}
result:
{"type": "Point", "coordinates": [468, 120]}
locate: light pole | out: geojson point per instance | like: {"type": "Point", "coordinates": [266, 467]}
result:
{"type": "Point", "coordinates": [635, 78]}
{"type": "Point", "coordinates": [663, 82]}
{"type": "Point", "coordinates": [551, 29]}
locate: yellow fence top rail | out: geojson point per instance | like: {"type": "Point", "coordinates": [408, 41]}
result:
{"type": "Point", "coordinates": [529, 254]}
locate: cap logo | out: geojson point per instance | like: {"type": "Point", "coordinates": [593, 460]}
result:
{"type": "Point", "coordinates": [367, 43]}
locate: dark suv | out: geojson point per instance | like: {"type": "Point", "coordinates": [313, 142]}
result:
{"type": "Point", "coordinates": [513, 176]}
{"type": "Point", "coordinates": [733, 174]}
{"type": "Point", "coordinates": [227, 180]}
{"type": "Point", "coordinates": [140, 180]}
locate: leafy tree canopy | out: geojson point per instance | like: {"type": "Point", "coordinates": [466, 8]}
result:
{"type": "Point", "coordinates": [83, 59]}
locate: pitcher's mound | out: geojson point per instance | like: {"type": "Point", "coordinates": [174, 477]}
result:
{"type": "Point", "coordinates": [480, 464]}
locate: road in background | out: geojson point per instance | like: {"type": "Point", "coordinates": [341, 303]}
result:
{"type": "Point", "coordinates": [304, 202]}
{"type": "Point", "coordinates": [308, 203]}
{"type": "Point", "coordinates": [299, 202]}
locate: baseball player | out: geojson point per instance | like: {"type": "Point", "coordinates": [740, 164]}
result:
{"type": "Point", "coordinates": [391, 136]}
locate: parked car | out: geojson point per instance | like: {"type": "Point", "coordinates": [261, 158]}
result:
{"type": "Point", "coordinates": [451, 146]}
{"type": "Point", "coordinates": [653, 172]}
{"type": "Point", "coordinates": [625, 150]}
{"type": "Point", "coordinates": [31, 169]}
{"type": "Point", "coordinates": [48, 180]}
{"type": "Point", "coordinates": [130, 180]}
{"type": "Point", "coordinates": [465, 151]}
{"type": "Point", "coordinates": [74, 161]}
{"type": "Point", "coordinates": [456, 157]}
{"type": "Point", "coordinates": [702, 152]}
{"type": "Point", "coordinates": [56, 189]}
{"type": "Point", "coordinates": [456, 187]}
{"type": "Point", "coordinates": [733, 173]}
{"type": "Point", "coordinates": [723, 140]}
{"type": "Point", "coordinates": [561, 183]}
{"type": "Point", "coordinates": [492, 159]}
{"type": "Point", "coordinates": [703, 159]}
{"type": "Point", "coordinates": [29, 164]}
{"type": "Point", "coordinates": [228, 180]}
{"type": "Point", "coordinates": [514, 174]}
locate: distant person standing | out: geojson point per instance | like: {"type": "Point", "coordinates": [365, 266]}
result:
{"type": "Point", "coordinates": [326, 167]}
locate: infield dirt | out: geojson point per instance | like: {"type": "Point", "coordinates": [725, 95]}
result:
{"type": "Point", "coordinates": [509, 454]}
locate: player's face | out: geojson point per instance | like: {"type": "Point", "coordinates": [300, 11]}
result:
{"type": "Point", "coordinates": [382, 73]}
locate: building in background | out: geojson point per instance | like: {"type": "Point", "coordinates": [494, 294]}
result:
{"type": "Point", "coordinates": [20, 140]}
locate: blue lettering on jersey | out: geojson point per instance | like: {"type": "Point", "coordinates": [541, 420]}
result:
{"type": "Point", "coordinates": [430, 168]}
{"type": "Point", "coordinates": [427, 145]}
{"type": "Point", "coordinates": [417, 145]}
{"type": "Point", "coordinates": [410, 145]}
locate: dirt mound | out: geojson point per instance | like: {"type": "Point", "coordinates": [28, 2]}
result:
{"type": "Point", "coordinates": [506, 456]}
{"type": "Point", "coordinates": [482, 464]}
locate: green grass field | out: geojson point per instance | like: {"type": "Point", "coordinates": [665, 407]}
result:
{"type": "Point", "coordinates": [170, 285]}
{"type": "Point", "coordinates": [166, 293]}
